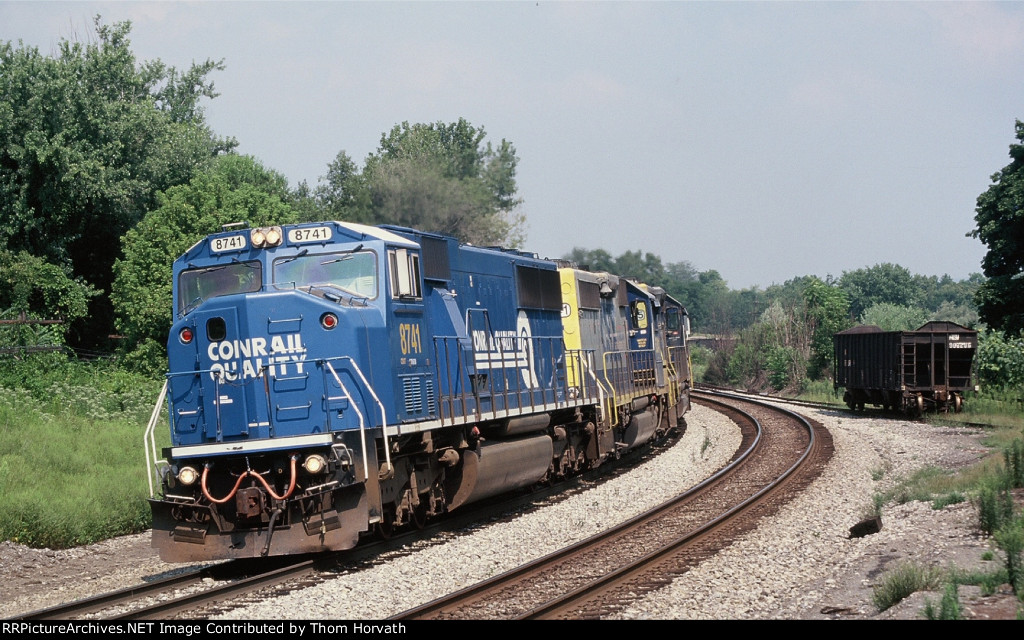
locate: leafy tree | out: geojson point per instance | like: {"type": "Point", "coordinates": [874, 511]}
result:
{"type": "Point", "coordinates": [643, 267]}
{"type": "Point", "coordinates": [827, 313]}
{"type": "Point", "coordinates": [234, 189]}
{"type": "Point", "coordinates": [934, 291]}
{"type": "Point", "coordinates": [1000, 226]}
{"type": "Point", "coordinates": [34, 288]}
{"type": "Point", "coordinates": [87, 137]}
{"type": "Point", "coordinates": [962, 314]}
{"type": "Point", "coordinates": [30, 285]}
{"type": "Point", "coordinates": [438, 177]}
{"type": "Point", "coordinates": [881, 283]}
{"type": "Point", "coordinates": [596, 260]}
{"type": "Point", "coordinates": [343, 194]}
{"type": "Point", "coordinates": [707, 301]}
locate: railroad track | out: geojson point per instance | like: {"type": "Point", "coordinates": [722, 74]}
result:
{"type": "Point", "coordinates": [781, 452]}
{"type": "Point", "coordinates": [210, 590]}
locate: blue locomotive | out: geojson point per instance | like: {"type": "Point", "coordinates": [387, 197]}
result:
{"type": "Point", "coordinates": [328, 380]}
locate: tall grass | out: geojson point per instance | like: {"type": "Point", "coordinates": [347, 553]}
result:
{"type": "Point", "coordinates": [72, 463]}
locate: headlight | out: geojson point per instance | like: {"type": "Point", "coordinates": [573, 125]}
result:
{"type": "Point", "coordinates": [188, 475]}
{"type": "Point", "coordinates": [274, 236]}
{"type": "Point", "coordinates": [265, 237]}
{"type": "Point", "coordinates": [314, 464]}
{"type": "Point", "coordinates": [258, 238]}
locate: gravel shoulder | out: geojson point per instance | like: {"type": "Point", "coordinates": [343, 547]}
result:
{"type": "Point", "coordinates": [799, 564]}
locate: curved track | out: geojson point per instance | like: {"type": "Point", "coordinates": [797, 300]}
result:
{"type": "Point", "coordinates": [781, 452]}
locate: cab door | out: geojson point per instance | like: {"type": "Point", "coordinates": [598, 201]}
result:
{"type": "Point", "coordinates": [224, 377]}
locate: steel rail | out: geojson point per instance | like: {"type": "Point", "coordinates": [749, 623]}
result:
{"type": "Point", "coordinates": [492, 585]}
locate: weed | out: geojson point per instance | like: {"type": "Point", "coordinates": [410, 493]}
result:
{"type": "Point", "coordinates": [941, 502]}
{"type": "Point", "coordinates": [995, 506]}
{"type": "Point", "coordinates": [949, 606]}
{"type": "Point", "coordinates": [877, 502]}
{"type": "Point", "coordinates": [704, 446]}
{"type": "Point", "coordinates": [903, 581]}
{"type": "Point", "coordinates": [1014, 457]}
{"type": "Point", "coordinates": [1010, 538]}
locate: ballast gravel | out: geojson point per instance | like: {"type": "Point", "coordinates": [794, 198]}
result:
{"type": "Point", "coordinates": [798, 564]}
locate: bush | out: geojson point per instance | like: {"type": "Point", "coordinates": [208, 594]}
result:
{"type": "Point", "coordinates": [941, 502]}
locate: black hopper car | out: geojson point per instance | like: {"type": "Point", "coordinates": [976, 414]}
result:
{"type": "Point", "coordinates": [909, 371]}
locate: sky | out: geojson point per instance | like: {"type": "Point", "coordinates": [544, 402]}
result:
{"type": "Point", "coordinates": [763, 140]}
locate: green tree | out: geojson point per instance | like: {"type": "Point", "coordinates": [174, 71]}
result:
{"type": "Point", "coordinates": [962, 314]}
{"type": "Point", "coordinates": [87, 137]}
{"type": "Point", "coordinates": [34, 288]}
{"type": "Point", "coordinates": [827, 313]}
{"type": "Point", "coordinates": [935, 292]}
{"type": "Point", "coordinates": [343, 194]}
{"type": "Point", "coordinates": [1000, 359]}
{"type": "Point", "coordinates": [443, 178]}
{"type": "Point", "coordinates": [234, 189]}
{"type": "Point", "coordinates": [708, 303]}
{"type": "Point", "coordinates": [644, 267]}
{"type": "Point", "coordinates": [1000, 226]}
{"type": "Point", "coordinates": [596, 260]}
{"type": "Point", "coordinates": [881, 283]}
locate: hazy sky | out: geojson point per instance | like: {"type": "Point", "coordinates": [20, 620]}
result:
{"type": "Point", "coordinates": [765, 140]}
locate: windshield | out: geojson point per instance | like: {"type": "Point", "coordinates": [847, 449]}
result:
{"type": "Point", "coordinates": [197, 285]}
{"type": "Point", "coordinates": [353, 273]}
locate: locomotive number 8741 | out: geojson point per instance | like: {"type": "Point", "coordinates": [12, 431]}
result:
{"type": "Point", "coordinates": [332, 379]}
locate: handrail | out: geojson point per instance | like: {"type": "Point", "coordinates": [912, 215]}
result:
{"type": "Point", "coordinates": [508, 379]}
{"type": "Point", "coordinates": [149, 441]}
{"type": "Point", "coordinates": [362, 421]}
{"type": "Point", "coordinates": [626, 389]}
{"type": "Point", "coordinates": [383, 413]}
{"type": "Point", "coordinates": [601, 392]}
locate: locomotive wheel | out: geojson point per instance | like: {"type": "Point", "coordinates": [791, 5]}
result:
{"type": "Point", "coordinates": [386, 526]}
{"type": "Point", "coordinates": [419, 513]}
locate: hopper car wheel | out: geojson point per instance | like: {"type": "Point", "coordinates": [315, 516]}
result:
{"type": "Point", "coordinates": [958, 403]}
